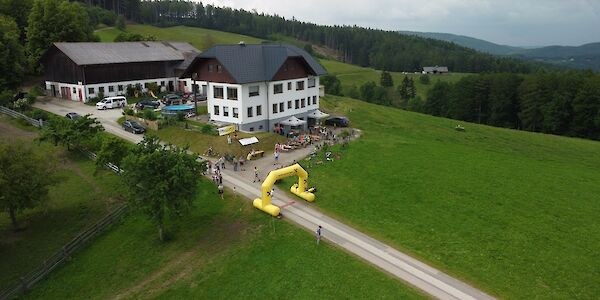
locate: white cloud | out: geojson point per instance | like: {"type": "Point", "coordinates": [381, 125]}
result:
{"type": "Point", "coordinates": [516, 22]}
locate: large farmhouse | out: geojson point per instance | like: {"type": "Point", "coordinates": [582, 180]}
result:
{"type": "Point", "coordinates": [258, 87]}
{"type": "Point", "coordinates": [81, 71]}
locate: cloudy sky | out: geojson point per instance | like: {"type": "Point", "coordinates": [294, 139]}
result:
{"type": "Point", "coordinates": [511, 22]}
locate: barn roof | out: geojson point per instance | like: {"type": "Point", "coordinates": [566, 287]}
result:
{"type": "Point", "coordinates": [126, 52]}
{"type": "Point", "coordinates": [435, 69]}
{"type": "Point", "coordinates": [254, 63]}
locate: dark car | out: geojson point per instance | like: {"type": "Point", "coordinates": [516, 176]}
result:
{"type": "Point", "coordinates": [338, 121]}
{"type": "Point", "coordinates": [147, 103]}
{"type": "Point", "coordinates": [133, 127]}
{"type": "Point", "coordinates": [72, 116]}
{"type": "Point", "coordinates": [171, 99]}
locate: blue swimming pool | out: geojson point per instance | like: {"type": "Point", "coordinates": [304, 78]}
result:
{"type": "Point", "coordinates": [175, 109]}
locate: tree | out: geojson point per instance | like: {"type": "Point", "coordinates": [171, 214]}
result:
{"type": "Point", "coordinates": [437, 99]}
{"type": "Point", "coordinates": [18, 10]}
{"type": "Point", "coordinates": [12, 59]}
{"type": "Point", "coordinates": [113, 150]}
{"type": "Point", "coordinates": [386, 79]}
{"type": "Point", "coordinates": [121, 25]}
{"type": "Point", "coordinates": [25, 179]}
{"type": "Point", "coordinates": [332, 84]}
{"type": "Point", "coordinates": [424, 79]}
{"type": "Point", "coordinates": [367, 91]}
{"type": "Point", "coordinates": [53, 21]}
{"type": "Point", "coordinates": [162, 180]}
{"type": "Point", "coordinates": [309, 48]}
{"type": "Point", "coordinates": [65, 132]}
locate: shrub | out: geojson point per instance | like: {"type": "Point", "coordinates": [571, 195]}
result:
{"type": "Point", "coordinates": [39, 114]}
{"type": "Point", "coordinates": [424, 79]}
{"type": "Point", "coordinates": [149, 114]}
{"type": "Point", "coordinates": [128, 111]}
{"type": "Point", "coordinates": [207, 129]}
{"type": "Point", "coordinates": [180, 117]}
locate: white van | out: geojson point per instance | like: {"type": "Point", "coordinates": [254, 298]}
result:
{"type": "Point", "coordinates": [111, 102]}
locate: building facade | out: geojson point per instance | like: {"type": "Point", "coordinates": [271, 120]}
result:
{"type": "Point", "coordinates": [257, 86]}
{"type": "Point", "coordinates": [82, 71]}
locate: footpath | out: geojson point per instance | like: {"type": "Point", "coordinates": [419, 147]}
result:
{"type": "Point", "coordinates": [426, 278]}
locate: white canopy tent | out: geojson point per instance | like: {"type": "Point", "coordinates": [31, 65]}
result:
{"type": "Point", "coordinates": [317, 114]}
{"type": "Point", "coordinates": [292, 121]}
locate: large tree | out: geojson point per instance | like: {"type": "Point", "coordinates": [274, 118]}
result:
{"type": "Point", "coordinates": [53, 21]}
{"type": "Point", "coordinates": [12, 59]}
{"type": "Point", "coordinates": [71, 133]}
{"type": "Point", "coordinates": [18, 10]}
{"type": "Point", "coordinates": [113, 150]}
{"type": "Point", "coordinates": [162, 180]}
{"type": "Point", "coordinates": [25, 179]}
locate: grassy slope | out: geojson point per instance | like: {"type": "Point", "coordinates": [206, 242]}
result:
{"type": "Point", "coordinates": [350, 75]}
{"type": "Point", "coordinates": [223, 249]}
{"type": "Point", "coordinates": [107, 34]}
{"type": "Point", "coordinates": [515, 212]}
{"type": "Point", "coordinates": [77, 201]}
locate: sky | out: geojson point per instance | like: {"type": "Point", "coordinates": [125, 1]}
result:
{"type": "Point", "coordinates": [509, 22]}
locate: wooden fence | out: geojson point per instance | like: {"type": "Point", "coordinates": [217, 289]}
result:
{"type": "Point", "coordinates": [16, 114]}
{"type": "Point", "coordinates": [63, 255]}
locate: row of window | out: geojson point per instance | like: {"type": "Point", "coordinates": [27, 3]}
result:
{"type": "Point", "coordinates": [232, 93]}
{"type": "Point", "coordinates": [278, 88]}
{"type": "Point", "coordinates": [120, 87]}
{"type": "Point", "coordinates": [217, 111]}
{"type": "Point", "coordinates": [298, 103]}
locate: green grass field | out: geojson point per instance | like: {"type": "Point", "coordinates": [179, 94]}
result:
{"type": "Point", "coordinates": [224, 249]}
{"type": "Point", "coordinates": [76, 202]}
{"type": "Point", "coordinates": [107, 34]}
{"type": "Point", "coordinates": [514, 212]}
{"type": "Point", "coordinates": [352, 75]}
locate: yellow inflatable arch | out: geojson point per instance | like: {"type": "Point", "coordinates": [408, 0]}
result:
{"type": "Point", "coordinates": [298, 189]}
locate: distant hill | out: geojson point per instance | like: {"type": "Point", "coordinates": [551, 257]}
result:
{"type": "Point", "coordinates": [466, 41]}
{"type": "Point", "coordinates": [580, 57]}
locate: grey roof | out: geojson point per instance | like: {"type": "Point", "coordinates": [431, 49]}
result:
{"type": "Point", "coordinates": [126, 52]}
{"type": "Point", "coordinates": [254, 63]}
{"type": "Point", "coordinates": [435, 69]}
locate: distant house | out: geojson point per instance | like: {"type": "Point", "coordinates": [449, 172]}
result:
{"type": "Point", "coordinates": [81, 71]}
{"type": "Point", "coordinates": [435, 70]}
{"type": "Point", "coordinates": [258, 87]}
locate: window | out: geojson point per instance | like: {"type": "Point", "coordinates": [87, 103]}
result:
{"type": "Point", "coordinates": [259, 111]}
{"type": "Point", "coordinates": [218, 92]}
{"type": "Point", "coordinates": [111, 88]}
{"type": "Point", "coordinates": [274, 108]}
{"type": "Point", "coordinates": [225, 111]}
{"type": "Point", "coordinates": [249, 114]}
{"type": "Point", "coordinates": [251, 129]}
{"type": "Point", "coordinates": [91, 91]}
{"type": "Point", "coordinates": [260, 127]}
{"type": "Point", "coordinates": [253, 91]}
{"type": "Point", "coordinates": [211, 68]}
{"type": "Point", "coordinates": [302, 103]}
{"type": "Point", "coordinates": [162, 83]}
{"type": "Point", "coordinates": [289, 86]}
{"type": "Point", "coordinates": [120, 87]}
{"type": "Point", "coordinates": [290, 104]}
{"type": "Point", "coordinates": [315, 100]}
{"type": "Point", "coordinates": [185, 83]}
{"type": "Point", "coordinates": [219, 69]}
{"type": "Point", "coordinates": [235, 112]}
{"type": "Point", "coordinates": [311, 82]}
{"type": "Point", "coordinates": [297, 102]}
{"type": "Point", "coordinates": [299, 85]}
{"type": "Point", "coordinates": [101, 90]}
{"type": "Point", "coordinates": [232, 93]}
{"type": "Point", "coordinates": [278, 88]}
{"type": "Point", "coordinates": [281, 106]}
{"type": "Point", "coordinates": [74, 90]}
{"type": "Point", "coordinates": [216, 110]}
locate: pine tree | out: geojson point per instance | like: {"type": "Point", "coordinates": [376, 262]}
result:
{"type": "Point", "coordinates": [386, 79]}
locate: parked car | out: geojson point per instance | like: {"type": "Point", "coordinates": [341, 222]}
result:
{"type": "Point", "coordinates": [190, 97]}
{"type": "Point", "coordinates": [72, 116]}
{"type": "Point", "coordinates": [171, 99]}
{"type": "Point", "coordinates": [338, 121]}
{"type": "Point", "coordinates": [111, 102]}
{"type": "Point", "coordinates": [147, 103]}
{"type": "Point", "coordinates": [133, 127]}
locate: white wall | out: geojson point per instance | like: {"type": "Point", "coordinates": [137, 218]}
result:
{"type": "Point", "coordinates": [230, 104]}
{"type": "Point", "coordinates": [74, 94]}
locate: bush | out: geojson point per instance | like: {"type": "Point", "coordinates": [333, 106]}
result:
{"type": "Point", "coordinates": [128, 111]}
{"type": "Point", "coordinates": [207, 129]}
{"type": "Point", "coordinates": [149, 115]}
{"type": "Point", "coordinates": [39, 114]}
{"type": "Point", "coordinates": [6, 98]}
{"type": "Point", "coordinates": [22, 104]}
{"type": "Point", "coordinates": [180, 116]}
{"type": "Point", "coordinates": [424, 79]}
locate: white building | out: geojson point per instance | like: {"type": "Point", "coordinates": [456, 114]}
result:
{"type": "Point", "coordinates": [81, 71]}
{"type": "Point", "coordinates": [257, 86]}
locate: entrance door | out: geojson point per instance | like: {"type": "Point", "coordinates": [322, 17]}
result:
{"type": "Point", "coordinates": [53, 91]}
{"type": "Point", "coordinates": [80, 95]}
{"type": "Point", "coordinates": [171, 87]}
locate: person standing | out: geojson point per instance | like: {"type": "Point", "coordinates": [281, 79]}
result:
{"type": "Point", "coordinates": [221, 190]}
{"type": "Point", "coordinates": [223, 162]}
{"type": "Point", "coordinates": [235, 164]}
{"type": "Point", "coordinates": [276, 157]}
{"type": "Point", "coordinates": [318, 234]}
{"type": "Point", "coordinates": [229, 139]}
{"type": "Point", "coordinates": [256, 178]}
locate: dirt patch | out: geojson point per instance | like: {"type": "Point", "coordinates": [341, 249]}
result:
{"type": "Point", "coordinates": [11, 133]}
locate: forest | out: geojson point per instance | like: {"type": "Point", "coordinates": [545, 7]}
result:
{"type": "Point", "coordinates": [384, 50]}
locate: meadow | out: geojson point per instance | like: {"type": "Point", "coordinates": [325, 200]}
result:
{"type": "Point", "coordinates": [513, 212]}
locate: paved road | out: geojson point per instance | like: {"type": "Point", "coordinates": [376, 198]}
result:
{"type": "Point", "coordinates": [428, 279]}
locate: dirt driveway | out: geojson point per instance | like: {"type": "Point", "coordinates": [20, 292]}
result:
{"type": "Point", "coordinates": [107, 117]}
